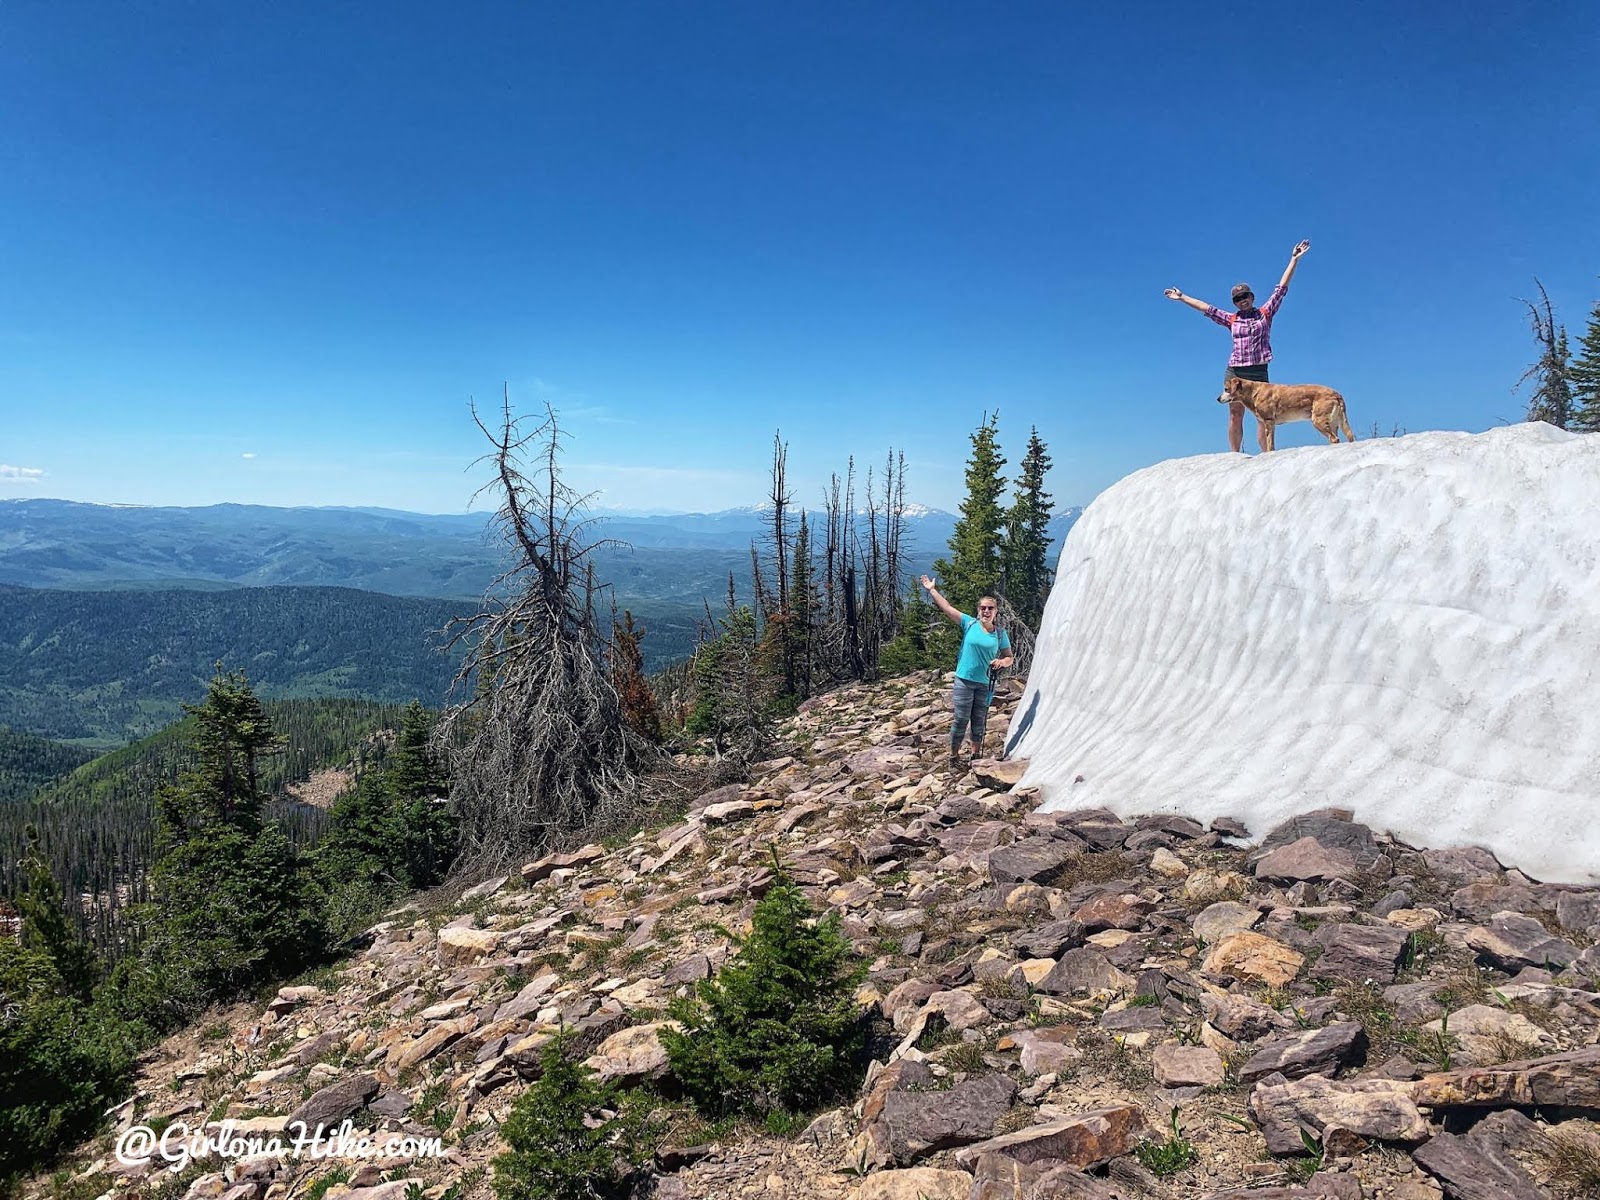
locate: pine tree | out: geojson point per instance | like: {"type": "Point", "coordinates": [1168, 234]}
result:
{"type": "Point", "coordinates": [799, 629]}
{"type": "Point", "coordinates": [234, 899]}
{"type": "Point", "coordinates": [974, 566]}
{"type": "Point", "coordinates": [1027, 545]}
{"type": "Point", "coordinates": [418, 790]}
{"type": "Point", "coordinates": [1585, 377]}
{"type": "Point", "coordinates": [47, 930]}
{"type": "Point", "coordinates": [1552, 395]}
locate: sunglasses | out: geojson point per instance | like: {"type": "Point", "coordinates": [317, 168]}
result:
{"type": "Point", "coordinates": [1247, 298]}
{"type": "Point", "coordinates": [985, 608]}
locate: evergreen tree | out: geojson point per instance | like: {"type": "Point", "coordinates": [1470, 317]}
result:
{"type": "Point", "coordinates": [1585, 377]}
{"type": "Point", "coordinates": [1026, 556]}
{"type": "Point", "coordinates": [1552, 394]}
{"type": "Point", "coordinates": [46, 929]}
{"type": "Point", "coordinates": [800, 621]}
{"type": "Point", "coordinates": [776, 1029]}
{"type": "Point", "coordinates": [419, 789]}
{"type": "Point", "coordinates": [974, 566]}
{"type": "Point", "coordinates": [234, 901]}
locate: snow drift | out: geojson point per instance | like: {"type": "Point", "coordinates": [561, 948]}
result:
{"type": "Point", "coordinates": [1405, 627]}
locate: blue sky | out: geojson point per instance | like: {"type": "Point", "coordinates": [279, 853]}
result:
{"type": "Point", "coordinates": [267, 253]}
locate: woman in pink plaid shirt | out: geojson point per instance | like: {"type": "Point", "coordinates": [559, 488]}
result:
{"type": "Point", "coordinates": [1252, 337]}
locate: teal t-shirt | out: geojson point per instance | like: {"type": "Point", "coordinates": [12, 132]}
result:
{"type": "Point", "coordinates": [978, 649]}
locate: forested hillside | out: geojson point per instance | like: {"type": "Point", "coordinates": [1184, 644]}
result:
{"type": "Point", "coordinates": [28, 762]}
{"type": "Point", "coordinates": [97, 825]}
{"type": "Point", "coordinates": [103, 668]}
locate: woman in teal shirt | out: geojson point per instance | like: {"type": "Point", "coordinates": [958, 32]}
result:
{"type": "Point", "coordinates": [982, 646]}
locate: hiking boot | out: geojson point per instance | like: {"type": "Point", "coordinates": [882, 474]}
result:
{"type": "Point", "coordinates": [955, 760]}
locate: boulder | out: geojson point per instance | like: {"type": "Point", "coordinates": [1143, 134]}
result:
{"type": "Point", "coordinates": [1306, 860]}
{"type": "Point", "coordinates": [1084, 1140]}
{"type": "Point", "coordinates": [921, 1123]}
{"type": "Point", "coordinates": [337, 1101]}
{"type": "Point", "coordinates": [1187, 1066]}
{"type": "Point", "coordinates": [1032, 860]}
{"type": "Point", "coordinates": [1380, 1109]}
{"type": "Point", "coordinates": [1083, 970]}
{"type": "Point", "coordinates": [1311, 1052]}
{"type": "Point", "coordinates": [1253, 956]}
{"type": "Point", "coordinates": [1512, 941]}
{"type": "Point", "coordinates": [1360, 953]}
{"type": "Point", "coordinates": [633, 1055]}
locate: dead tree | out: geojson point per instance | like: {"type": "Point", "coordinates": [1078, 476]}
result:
{"type": "Point", "coordinates": [540, 751]}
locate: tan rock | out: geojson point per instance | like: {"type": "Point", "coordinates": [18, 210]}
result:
{"type": "Point", "coordinates": [1167, 864]}
{"type": "Point", "coordinates": [459, 947]}
{"type": "Point", "coordinates": [409, 1054]}
{"type": "Point", "coordinates": [632, 1055]}
{"type": "Point", "coordinates": [1415, 920]}
{"type": "Point", "coordinates": [1254, 956]}
{"type": "Point", "coordinates": [916, 1183]}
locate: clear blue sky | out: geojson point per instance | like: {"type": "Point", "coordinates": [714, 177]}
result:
{"type": "Point", "coordinates": [266, 253]}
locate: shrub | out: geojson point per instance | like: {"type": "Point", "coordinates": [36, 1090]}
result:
{"type": "Point", "coordinates": [777, 1029]}
{"type": "Point", "coordinates": [62, 1062]}
{"type": "Point", "coordinates": [558, 1149]}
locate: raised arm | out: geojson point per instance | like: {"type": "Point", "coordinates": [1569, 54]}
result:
{"type": "Point", "coordinates": [948, 609]}
{"type": "Point", "coordinates": [1200, 306]}
{"type": "Point", "coordinates": [1294, 261]}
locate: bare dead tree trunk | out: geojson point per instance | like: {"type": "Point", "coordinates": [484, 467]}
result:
{"type": "Point", "coordinates": [540, 750]}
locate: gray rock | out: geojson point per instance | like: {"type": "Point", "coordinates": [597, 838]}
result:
{"type": "Point", "coordinates": [1312, 1052]}
{"type": "Point", "coordinates": [1082, 970]}
{"type": "Point", "coordinates": [921, 1123]}
{"type": "Point", "coordinates": [1032, 860]}
{"type": "Point", "coordinates": [1306, 860]}
{"type": "Point", "coordinates": [1462, 864]}
{"type": "Point", "coordinates": [1359, 953]}
{"type": "Point", "coordinates": [336, 1101]}
{"type": "Point", "coordinates": [1330, 826]}
{"type": "Point", "coordinates": [1512, 941]}
{"type": "Point", "coordinates": [1395, 900]}
{"type": "Point", "coordinates": [1049, 941]}
{"type": "Point", "coordinates": [1474, 1169]}
{"type": "Point", "coordinates": [1414, 1003]}
{"type": "Point", "coordinates": [1579, 912]}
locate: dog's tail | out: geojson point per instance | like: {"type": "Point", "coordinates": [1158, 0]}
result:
{"type": "Point", "coordinates": [1344, 422]}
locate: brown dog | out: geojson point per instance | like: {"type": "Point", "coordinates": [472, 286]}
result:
{"type": "Point", "coordinates": [1273, 403]}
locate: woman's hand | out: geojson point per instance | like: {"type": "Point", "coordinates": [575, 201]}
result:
{"type": "Point", "coordinates": [1003, 662]}
{"type": "Point", "coordinates": [928, 584]}
{"type": "Point", "coordinates": [1300, 249]}
{"type": "Point", "coordinates": [1173, 294]}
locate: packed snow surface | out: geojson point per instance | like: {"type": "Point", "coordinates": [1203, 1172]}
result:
{"type": "Point", "coordinates": [1407, 627]}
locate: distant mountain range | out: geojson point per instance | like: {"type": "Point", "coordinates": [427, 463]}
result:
{"type": "Point", "coordinates": [111, 616]}
{"type": "Point", "coordinates": [681, 558]}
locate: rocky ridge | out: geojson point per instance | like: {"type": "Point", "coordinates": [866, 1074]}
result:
{"type": "Point", "coordinates": [1322, 1013]}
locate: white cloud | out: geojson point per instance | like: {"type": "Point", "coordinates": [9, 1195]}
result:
{"type": "Point", "coordinates": [248, 454]}
{"type": "Point", "coordinates": [10, 474]}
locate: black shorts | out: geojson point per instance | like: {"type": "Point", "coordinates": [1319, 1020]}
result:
{"type": "Point", "coordinates": [1256, 371]}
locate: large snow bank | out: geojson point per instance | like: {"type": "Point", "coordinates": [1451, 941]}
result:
{"type": "Point", "coordinates": [1405, 627]}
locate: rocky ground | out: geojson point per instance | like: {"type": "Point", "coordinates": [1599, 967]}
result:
{"type": "Point", "coordinates": [1066, 1004]}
